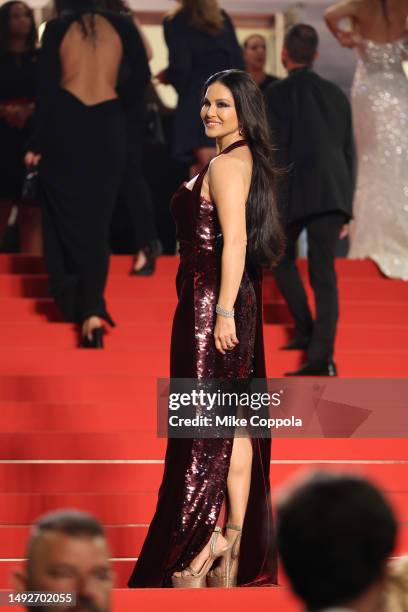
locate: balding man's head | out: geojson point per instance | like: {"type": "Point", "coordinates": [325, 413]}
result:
{"type": "Point", "coordinates": [68, 552]}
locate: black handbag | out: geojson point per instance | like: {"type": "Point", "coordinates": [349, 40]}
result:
{"type": "Point", "coordinates": [30, 187]}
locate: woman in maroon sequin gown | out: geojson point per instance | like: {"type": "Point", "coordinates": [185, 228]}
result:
{"type": "Point", "coordinates": [200, 474]}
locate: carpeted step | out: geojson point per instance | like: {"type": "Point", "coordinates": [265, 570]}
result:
{"type": "Point", "coordinates": [161, 286]}
{"type": "Point", "coordinates": [107, 421]}
{"type": "Point", "coordinates": [118, 508]}
{"type": "Point", "coordinates": [138, 335]}
{"type": "Point", "coordinates": [152, 362]}
{"type": "Point", "coordinates": [144, 445]}
{"type": "Point", "coordinates": [124, 541]}
{"type": "Point", "coordinates": [178, 600]}
{"type": "Point", "coordinates": [152, 311]}
{"type": "Point", "coordinates": [122, 264]}
{"type": "Point", "coordinates": [128, 477]}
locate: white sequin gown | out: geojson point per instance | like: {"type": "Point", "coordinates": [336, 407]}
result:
{"type": "Point", "coordinates": [380, 113]}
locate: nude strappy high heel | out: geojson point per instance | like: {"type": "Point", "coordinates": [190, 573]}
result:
{"type": "Point", "coordinates": [191, 579]}
{"type": "Point", "coordinates": [228, 579]}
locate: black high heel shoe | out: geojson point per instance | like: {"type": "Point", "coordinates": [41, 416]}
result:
{"type": "Point", "coordinates": [97, 339]}
{"type": "Point", "coordinates": [151, 253]}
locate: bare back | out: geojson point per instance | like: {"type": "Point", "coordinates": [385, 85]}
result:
{"type": "Point", "coordinates": [370, 22]}
{"type": "Point", "coordinates": [90, 64]}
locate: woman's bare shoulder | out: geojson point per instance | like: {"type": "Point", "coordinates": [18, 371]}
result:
{"type": "Point", "coordinates": [229, 167]}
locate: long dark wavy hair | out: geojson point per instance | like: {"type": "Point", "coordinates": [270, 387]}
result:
{"type": "Point", "coordinates": [5, 11]}
{"type": "Point", "coordinates": [265, 235]}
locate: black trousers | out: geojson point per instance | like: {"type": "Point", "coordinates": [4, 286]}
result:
{"type": "Point", "coordinates": [135, 190]}
{"type": "Point", "coordinates": [322, 235]}
{"type": "Point", "coordinates": [81, 173]}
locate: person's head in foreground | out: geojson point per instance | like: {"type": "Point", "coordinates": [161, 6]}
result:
{"type": "Point", "coordinates": [233, 109]}
{"type": "Point", "coordinates": [335, 534]}
{"type": "Point", "coordinates": [68, 553]}
{"type": "Point", "coordinates": [300, 47]}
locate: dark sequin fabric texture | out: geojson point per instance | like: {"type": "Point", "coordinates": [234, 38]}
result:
{"type": "Point", "coordinates": [195, 474]}
{"type": "Point", "coordinates": [207, 475]}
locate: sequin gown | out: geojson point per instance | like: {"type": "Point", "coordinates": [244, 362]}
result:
{"type": "Point", "coordinates": [195, 474]}
{"type": "Point", "coordinates": [380, 113]}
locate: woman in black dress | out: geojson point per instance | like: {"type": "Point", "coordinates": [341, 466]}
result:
{"type": "Point", "coordinates": [135, 193]}
{"type": "Point", "coordinates": [18, 64]}
{"type": "Point", "coordinates": [201, 40]}
{"type": "Point", "coordinates": [227, 225]}
{"type": "Point", "coordinates": [92, 67]}
{"type": "Point", "coordinates": [255, 60]}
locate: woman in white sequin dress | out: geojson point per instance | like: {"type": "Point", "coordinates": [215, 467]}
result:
{"type": "Point", "coordinates": [379, 33]}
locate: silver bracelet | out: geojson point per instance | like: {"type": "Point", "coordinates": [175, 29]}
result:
{"type": "Point", "coordinates": [225, 313]}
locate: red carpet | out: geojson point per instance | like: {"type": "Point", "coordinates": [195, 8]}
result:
{"type": "Point", "coordinates": [78, 427]}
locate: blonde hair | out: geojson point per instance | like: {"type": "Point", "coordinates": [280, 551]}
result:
{"type": "Point", "coordinates": [204, 15]}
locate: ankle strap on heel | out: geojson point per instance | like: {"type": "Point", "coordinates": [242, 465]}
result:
{"type": "Point", "coordinates": [213, 541]}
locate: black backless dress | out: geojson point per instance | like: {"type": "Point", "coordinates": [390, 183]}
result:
{"type": "Point", "coordinates": [83, 151]}
{"type": "Point", "coordinates": [195, 474]}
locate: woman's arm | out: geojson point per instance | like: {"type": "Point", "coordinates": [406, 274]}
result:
{"type": "Point", "coordinates": [229, 190]}
{"type": "Point", "coordinates": [334, 14]}
{"type": "Point", "coordinates": [48, 79]}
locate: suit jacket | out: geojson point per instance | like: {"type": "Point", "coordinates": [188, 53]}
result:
{"type": "Point", "coordinates": [310, 119]}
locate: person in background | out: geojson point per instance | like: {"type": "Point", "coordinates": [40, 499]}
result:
{"type": "Point", "coordinates": [93, 67]}
{"type": "Point", "coordinates": [255, 60]}
{"type": "Point", "coordinates": [310, 119]}
{"type": "Point", "coordinates": [335, 534]}
{"type": "Point", "coordinates": [68, 553]}
{"type": "Point", "coordinates": [135, 193]}
{"type": "Point", "coordinates": [201, 41]}
{"type": "Point", "coordinates": [379, 33]}
{"type": "Point", "coordinates": [18, 66]}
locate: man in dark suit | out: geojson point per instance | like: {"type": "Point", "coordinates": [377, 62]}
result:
{"type": "Point", "coordinates": [310, 119]}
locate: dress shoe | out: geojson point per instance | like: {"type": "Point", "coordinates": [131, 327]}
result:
{"type": "Point", "coordinates": [315, 368]}
{"type": "Point", "coordinates": [96, 341]}
{"type": "Point", "coordinates": [151, 252]}
{"type": "Point", "coordinates": [148, 268]}
{"type": "Point", "coordinates": [298, 343]}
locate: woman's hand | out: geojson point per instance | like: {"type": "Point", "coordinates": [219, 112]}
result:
{"type": "Point", "coordinates": [344, 231]}
{"type": "Point", "coordinates": [225, 334]}
{"type": "Point", "coordinates": [17, 115]}
{"type": "Point", "coordinates": [347, 39]}
{"type": "Point", "coordinates": [32, 159]}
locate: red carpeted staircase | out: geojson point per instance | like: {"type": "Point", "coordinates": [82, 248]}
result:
{"type": "Point", "coordinates": [77, 427]}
